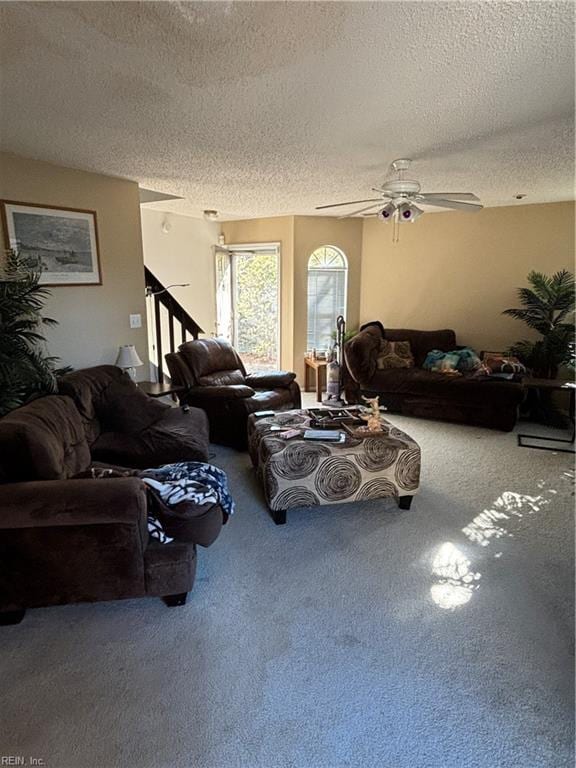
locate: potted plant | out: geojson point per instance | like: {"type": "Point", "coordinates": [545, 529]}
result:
{"type": "Point", "coordinates": [25, 369]}
{"type": "Point", "coordinates": [547, 308]}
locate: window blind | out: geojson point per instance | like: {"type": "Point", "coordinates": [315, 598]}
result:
{"type": "Point", "coordinates": [326, 300]}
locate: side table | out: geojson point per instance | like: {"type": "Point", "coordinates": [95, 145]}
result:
{"type": "Point", "coordinates": [552, 385]}
{"type": "Point", "coordinates": [319, 367]}
{"type": "Point", "coordinates": [154, 389]}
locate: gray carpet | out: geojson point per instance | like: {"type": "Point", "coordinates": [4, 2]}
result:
{"type": "Point", "coordinates": [356, 635]}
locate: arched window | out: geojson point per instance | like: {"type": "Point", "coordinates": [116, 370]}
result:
{"type": "Point", "coordinates": [327, 287]}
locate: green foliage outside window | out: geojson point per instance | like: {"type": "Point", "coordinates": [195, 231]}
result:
{"type": "Point", "coordinates": [257, 307]}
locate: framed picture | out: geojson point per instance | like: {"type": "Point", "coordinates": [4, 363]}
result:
{"type": "Point", "coordinates": [62, 243]}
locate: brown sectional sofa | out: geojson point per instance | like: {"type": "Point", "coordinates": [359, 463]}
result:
{"type": "Point", "coordinates": [416, 392]}
{"type": "Point", "coordinates": [66, 538]}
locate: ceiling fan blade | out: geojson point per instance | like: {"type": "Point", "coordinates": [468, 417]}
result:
{"type": "Point", "coordinates": [350, 202]}
{"type": "Point", "coordinates": [361, 210]}
{"type": "Point", "coordinates": [455, 204]}
{"type": "Point", "coordinates": [451, 195]}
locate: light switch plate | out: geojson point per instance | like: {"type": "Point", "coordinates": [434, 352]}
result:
{"type": "Point", "coordinates": [135, 321]}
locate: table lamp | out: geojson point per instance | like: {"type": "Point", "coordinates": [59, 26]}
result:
{"type": "Point", "coordinates": [128, 359]}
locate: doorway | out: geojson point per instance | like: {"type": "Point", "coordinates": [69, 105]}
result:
{"type": "Point", "coordinates": [248, 302]}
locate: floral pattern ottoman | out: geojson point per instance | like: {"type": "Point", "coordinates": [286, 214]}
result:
{"type": "Point", "coordinates": [303, 473]}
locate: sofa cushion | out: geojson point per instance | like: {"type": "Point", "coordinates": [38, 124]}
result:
{"type": "Point", "coordinates": [465, 388]}
{"type": "Point", "coordinates": [421, 342]}
{"type": "Point", "coordinates": [43, 440]}
{"type": "Point", "coordinates": [108, 400]}
{"type": "Point", "coordinates": [394, 354]}
{"type": "Point", "coordinates": [206, 356]}
{"type": "Point", "coordinates": [124, 407]}
{"type": "Point", "coordinates": [177, 436]}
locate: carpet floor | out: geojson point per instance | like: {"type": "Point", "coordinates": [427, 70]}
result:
{"type": "Point", "coordinates": [356, 635]}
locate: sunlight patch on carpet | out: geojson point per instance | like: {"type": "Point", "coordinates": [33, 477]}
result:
{"type": "Point", "coordinates": [456, 581]}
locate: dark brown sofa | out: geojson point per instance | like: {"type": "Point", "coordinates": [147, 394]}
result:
{"type": "Point", "coordinates": [216, 381]}
{"type": "Point", "coordinates": [416, 392]}
{"type": "Point", "coordinates": [66, 538]}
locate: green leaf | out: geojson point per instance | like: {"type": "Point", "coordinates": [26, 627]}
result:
{"type": "Point", "coordinates": [548, 308]}
{"type": "Point", "coordinates": [25, 368]}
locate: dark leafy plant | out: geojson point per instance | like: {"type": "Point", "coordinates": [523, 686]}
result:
{"type": "Point", "coordinates": [547, 308]}
{"type": "Point", "coordinates": [25, 369]}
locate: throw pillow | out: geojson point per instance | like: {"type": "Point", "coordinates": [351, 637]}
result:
{"type": "Point", "coordinates": [442, 362]}
{"type": "Point", "coordinates": [469, 360]}
{"type": "Point", "coordinates": [394, 354]}
{"type": "Point", "coordinates": [123, 407]}
{"type": "Point", "coordinates": [433, 359]}
{"type": "Point", "coordinates": [496, 362]}
{"type": "Point", "coordinates": [449, 363]}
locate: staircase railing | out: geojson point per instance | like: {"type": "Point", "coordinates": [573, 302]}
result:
{"type": "Point", "coordinates": [177, 317]}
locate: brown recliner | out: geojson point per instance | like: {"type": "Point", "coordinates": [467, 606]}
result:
{"type": "Point", "coordinates": [216, 381]}
{"type": "Point", "coordinates": [67, 538]}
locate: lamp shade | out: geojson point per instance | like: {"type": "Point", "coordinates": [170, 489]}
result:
{"type": "Point", "coordinates": [128, 357]}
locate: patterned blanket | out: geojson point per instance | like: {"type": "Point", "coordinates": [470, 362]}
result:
{"type": "Point", "coordinates": [174, 484]}
{"type": "Point", "coordinates": [191, 481]}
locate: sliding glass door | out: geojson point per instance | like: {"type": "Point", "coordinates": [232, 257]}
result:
{"type": "Point", "coordinates": [248, 302]}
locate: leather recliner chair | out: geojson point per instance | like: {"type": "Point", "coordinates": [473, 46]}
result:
{"type": "Point", "coordinates": [216, 381]}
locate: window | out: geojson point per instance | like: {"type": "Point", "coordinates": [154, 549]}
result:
{"type": "Point", "coordinates": [327, 285]}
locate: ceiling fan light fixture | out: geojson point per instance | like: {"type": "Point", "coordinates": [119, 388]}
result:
{"type": "Point", "coordinates": [409, 212]}
{"type": "Point", "coordinates": [387, 213]}
{"type": "Point", "coordinates": [402, 195]}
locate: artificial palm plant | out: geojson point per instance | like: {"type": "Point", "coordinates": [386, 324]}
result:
{"type": "Point", "coordinates": [25, 369]}
{"type": "Point", "coordinates": [547, 308]}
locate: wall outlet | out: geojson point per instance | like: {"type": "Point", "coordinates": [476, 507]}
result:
{"type": "Point", "coordinates": [135, 321]}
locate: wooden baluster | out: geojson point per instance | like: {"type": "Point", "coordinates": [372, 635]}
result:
{"type": "Point", "coordinates": [158, 323]}
{"type": "Point", "coordinates": [171, 328]}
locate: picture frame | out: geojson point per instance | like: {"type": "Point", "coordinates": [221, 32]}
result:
{"type": "Point", "coordinates": [61, 243]}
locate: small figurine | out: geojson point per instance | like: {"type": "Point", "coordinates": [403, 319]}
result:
{"type": "Point", "coordinates": [374, 423]}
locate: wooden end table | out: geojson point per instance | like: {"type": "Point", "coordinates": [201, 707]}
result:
{"type": "Point", "coordinates": [551, 385]}
{"type": "Point", "coordinates": [319, 368]}
{"type": "Point", "coordinates": [153, 389]}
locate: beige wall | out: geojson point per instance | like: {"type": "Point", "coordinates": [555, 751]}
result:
{"type": "Point", "coordinates": [183, 255]}
{"type": "Point", "coordinates": [311, 232]}
{"type": "Point", "coordinates": [460, 270]}
{"type": "Point", "coordinates": [271, 230]}
{"type": "Point", "coordinates": [94, 320]}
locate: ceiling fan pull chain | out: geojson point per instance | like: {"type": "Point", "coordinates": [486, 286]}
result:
{"type": "Point", "coordinates": [396, 228]}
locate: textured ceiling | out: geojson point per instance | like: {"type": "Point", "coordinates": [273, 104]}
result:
{"type": "Point", "coordinates": [261, 109]}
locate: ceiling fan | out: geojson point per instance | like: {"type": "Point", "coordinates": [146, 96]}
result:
{"type": "Point", "coordinates": [398, 198]}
